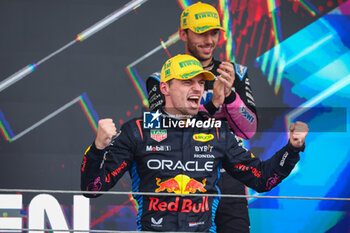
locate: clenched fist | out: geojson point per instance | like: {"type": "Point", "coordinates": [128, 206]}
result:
{"type": "Point", "coordinates": [297, 134]}
{"type": "Point", "coordinates": [105, 132]}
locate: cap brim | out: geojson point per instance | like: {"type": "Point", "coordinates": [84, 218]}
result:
{"type": "Point", "coordinates": [207, 75]}
{"type": "Point", "coordinates": [207, 29]}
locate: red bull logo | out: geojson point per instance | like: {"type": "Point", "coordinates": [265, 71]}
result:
{"type": "Point", "coordinates": [192, 186]}
{"type": "Point", "coordinates": [183, 205]}
{"type": "Point", "coordinates": [181, 184]}
{"type": "Point", "coordinates": [170, 185]}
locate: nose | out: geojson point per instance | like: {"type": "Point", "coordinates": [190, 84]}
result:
{"type": "Point", "coordinates": [208, 38]}
{"type": "Point", "coordinates": [197, 86]}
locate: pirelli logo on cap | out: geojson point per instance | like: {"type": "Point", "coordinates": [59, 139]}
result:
{"type": "Point", "coordinates": [207, 14]}
{"type": "Point", "coordinates": [190, 63]}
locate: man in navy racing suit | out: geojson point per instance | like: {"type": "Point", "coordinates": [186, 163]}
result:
{"type": "Point", "coordinates": [201, 36]}
{"type": "Point", "coordinates": [181, 154]}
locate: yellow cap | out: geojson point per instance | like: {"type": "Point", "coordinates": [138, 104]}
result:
{"type": "Point", "coordinates": [200, 17]}
{"type": "Point", "coordinates": [183, 67]}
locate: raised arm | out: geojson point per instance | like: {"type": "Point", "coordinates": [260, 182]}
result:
{"type": "Point", "coordinates": [260, 175]}
{"type": "Point", "coordinates": [107, 159]}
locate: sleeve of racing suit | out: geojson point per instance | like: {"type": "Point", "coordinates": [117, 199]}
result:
{"type": "Point", "coordinates": [211, 109]}
{"type": "Point", "coordinates": [155, 97]}
{"type": "Point", "coordinates": [239, 106]}
{"type": "Point", "coordinates": [101, 169]}
{"type": "Point", "coordinates": [259, 175]}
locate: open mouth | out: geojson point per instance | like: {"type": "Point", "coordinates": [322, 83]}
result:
{"type": "Point", "coordinates": [194, 101]}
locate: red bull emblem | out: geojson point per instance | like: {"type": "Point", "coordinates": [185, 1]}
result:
{"type": "Point", "coordinates": [170, 185]}
{"type": "Point", "coordinates": [181, 184]}
{"type": "Point", "coordinates": [192, 186]}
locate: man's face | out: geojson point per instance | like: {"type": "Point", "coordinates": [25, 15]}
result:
{"type": "Point", "coordinates": [183, 97]}
{"type": "Point", "coordinates": [202, 45]}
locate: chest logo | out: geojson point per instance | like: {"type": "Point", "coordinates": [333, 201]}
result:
{"type": "Point", "coordinates": [202, 137]}
{"type": "Point", "coordinates": [158, 134]}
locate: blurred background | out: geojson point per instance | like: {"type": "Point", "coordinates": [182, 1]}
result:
{"type": "Point", "coordinates": [297, 53]}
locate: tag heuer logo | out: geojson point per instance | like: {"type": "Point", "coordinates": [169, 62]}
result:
{"type": "Point", "coordinates": [158, 134]}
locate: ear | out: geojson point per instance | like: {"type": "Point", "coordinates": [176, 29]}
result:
{"type": "Point", "coordinates": [183, 35]}
{"type": "Point", "coordinates": [164, 88]}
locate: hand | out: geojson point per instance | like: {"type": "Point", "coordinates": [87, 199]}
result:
{"type": "Point", "coordinates": [297, 133]}
{"type": "Point", "coordinates": [227, 76]}
{"type": "Point", "coordinates": [105, 132]}
{"type": "Point", "coordinates": [218, 93]}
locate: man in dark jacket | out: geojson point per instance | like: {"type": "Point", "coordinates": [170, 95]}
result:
{"type": "Point", "coordinates": [199, 29]}
{"type": "Point", "coordinates": [181, 150]}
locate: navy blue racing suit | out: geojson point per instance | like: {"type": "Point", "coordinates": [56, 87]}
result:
{"type": "Point", "coordinates": [180, 159]}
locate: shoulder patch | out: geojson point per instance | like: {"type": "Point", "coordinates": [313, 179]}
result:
{"type": "Point", "coordinates": [240, 70]}
{"type": "Point", "coordinates": [156, 76]}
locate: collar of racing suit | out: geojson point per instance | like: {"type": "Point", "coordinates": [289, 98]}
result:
{"type": "Point", "coordinates": [174, 117]}
{"type": "Point", "coordinates": [213, 66]}
{"type": "Point", "coordinates": [200, 116]}
{"type": "Point", "coordinates": [210, 66]}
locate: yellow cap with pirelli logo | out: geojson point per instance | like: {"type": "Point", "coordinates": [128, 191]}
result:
{"type": "Point", "coordinates": [200, 17]}
{"type": "Point", "coordinates": [183, 67]}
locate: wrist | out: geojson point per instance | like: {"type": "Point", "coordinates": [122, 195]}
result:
{"type": "Point", "coordinates": [230, 98]}
{"type": "Point", "coordinates": [296, 149]}
{"type": "Point", "coordinates": [216, 102]}
{"type": "Point", "coordinates": [211, 108]}
{"type": "Point", "coordinates": [98, 145]}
